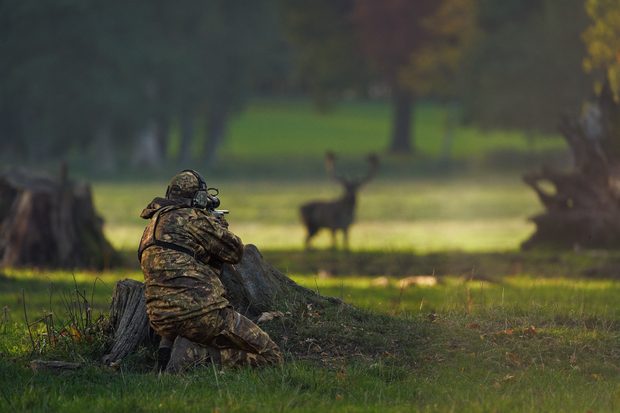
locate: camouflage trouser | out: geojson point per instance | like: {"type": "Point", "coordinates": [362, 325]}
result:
{"type": "Point", "coordinates": [238, 340]}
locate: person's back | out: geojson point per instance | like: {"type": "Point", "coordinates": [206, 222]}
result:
{"type": "Point", "coordinates": [181, 254]}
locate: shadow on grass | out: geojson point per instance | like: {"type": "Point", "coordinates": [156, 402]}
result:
{"type": "Point", "coordinates": [481, 266]}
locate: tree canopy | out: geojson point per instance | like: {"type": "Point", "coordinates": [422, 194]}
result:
{"type": "Point", "coordinates": [81, 73]}
{"type": "Point", "coordinates": [602, 40]}
{"type": "Point", "coordinates": [527, 67]}
{"type": "Point", "coordinates": [410, 47]}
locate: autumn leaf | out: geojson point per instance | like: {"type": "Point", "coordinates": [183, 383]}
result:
{"type": "Point", "coordinates": [473, 326]}
{"type": "Point", "coordinates": [508, 378]}
{"type": "Point", "coordinates": [598, 377]}
{"type": "Point", "coordinates": [269, 316]}
{"type": "Point", "coordinates": [512, 358]}
{"type": "Point", "coordinates": [531, 330]}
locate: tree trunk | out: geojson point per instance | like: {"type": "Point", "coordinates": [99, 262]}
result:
{"type": "Point", "coordinates": [163, 134]}
{"type": "Point", "coordinates": [404, 103]}
{"type": "Point", "coordinates": [450, 122]}
{"type": "Point", "coordinates": [129, 320]}
{"type": "Point", "coordinates": [105, 157]}
{"type": "Point", "coordinates": [187, 137]}
{"type": "Point", "coordinates": [147, 151]}
{"type": "Point", "coordinates": [584, 211]}
{"type": "Point", "coordinates": [50, 222]}
{"type": "Point", "coordinates": [216, 131]}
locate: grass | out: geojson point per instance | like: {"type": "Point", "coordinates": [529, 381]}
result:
{"type": "Point", "coordinates": [503, 330]}
{"type": "Point", "coordinates": [272, 128]}
{"type": "Point", "coordinates": [424, 215]}
{"type": "Point", "coordinates": [523, 344]}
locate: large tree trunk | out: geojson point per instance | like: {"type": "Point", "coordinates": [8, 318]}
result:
{"type": "Point", "coordinates": [402, 122]}
{"type": "Point", "coordinates": [584, 209]}
{"type": "Point", "coordinates": [50, 222]}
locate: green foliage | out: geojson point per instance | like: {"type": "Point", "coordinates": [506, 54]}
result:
{"type": "Point", "coordinates": [328, 59]}
{"type": "Point", "coordinates": [527, 68]}
{"type": "Point", "coordinates": [601, 39]}
{"type": "Point", "coordinates": [73, 69]}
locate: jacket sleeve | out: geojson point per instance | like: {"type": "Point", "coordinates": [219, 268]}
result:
{"type": "Point", "coordinates": [216, 239]}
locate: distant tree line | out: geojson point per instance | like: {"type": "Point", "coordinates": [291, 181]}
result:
{"type": "Point", "coordinates": [84, 75]}
{"type": "Point", "coordinates": [112, 79]}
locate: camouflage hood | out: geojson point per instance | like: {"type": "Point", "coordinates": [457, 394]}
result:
{"type": "Point", "coordinates": [159, 203]}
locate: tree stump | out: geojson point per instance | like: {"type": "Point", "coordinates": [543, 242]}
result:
{"type": "Point", "coordinates": [252, 287]}
{"type": "Point", "coordinates": [128, 319]}
{"type": "Point", "coordinates": [583, 210]}
{"type": "Point", "coordinates": [49, 221]}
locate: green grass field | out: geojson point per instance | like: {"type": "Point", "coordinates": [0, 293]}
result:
{"type": "Point", "coordinates": [502, 330]}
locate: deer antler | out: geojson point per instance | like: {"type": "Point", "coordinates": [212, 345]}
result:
{"type": "Point", "coordinates": [373, 160]}
{"type": "Point", "coordinates": [330, 159]}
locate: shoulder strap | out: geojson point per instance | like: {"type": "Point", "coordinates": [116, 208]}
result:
{"type": "Point", "coordinates": [212, 261]}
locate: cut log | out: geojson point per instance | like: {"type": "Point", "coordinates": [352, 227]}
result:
{"type": "Point", "coordinates": [584, 208]}
{"type": "Point", "coordinates": [59, 368]}
{"type": "Point", "coordinates": [49, 221]}
{"type": "Point", "coordinates": [252, 287]}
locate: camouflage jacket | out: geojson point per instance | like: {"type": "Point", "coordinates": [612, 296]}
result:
{"type": "Point", "coordinates": [178, 286]}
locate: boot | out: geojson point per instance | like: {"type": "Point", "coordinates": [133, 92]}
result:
{"type": "Point", "coordinates": [163, 354]}
{"type": "Point", "coordinates": [186, 354]}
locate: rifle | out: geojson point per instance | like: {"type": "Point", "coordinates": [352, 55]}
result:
{"type": "Point", "coordinates": [214, 202]}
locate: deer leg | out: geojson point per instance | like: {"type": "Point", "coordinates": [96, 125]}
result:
{"type": "Point", "coordinates": [333, 239]}
{"type": "Point", "coordinates": [345, 239]}
{"type": "Point", "coordinates": [311, 232]}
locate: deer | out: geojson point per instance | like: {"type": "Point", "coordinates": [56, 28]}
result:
{"type": "Point", "coordinates": [338, 214]}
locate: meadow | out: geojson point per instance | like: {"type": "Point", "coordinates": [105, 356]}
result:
{"type": "Point", "coordinates": [501, 330]}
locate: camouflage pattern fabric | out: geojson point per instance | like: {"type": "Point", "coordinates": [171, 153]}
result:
{"type": "Point", "coordinates": [185, 297]}
{"type": "Point", "coordinates": [232, 339]}
{"type": "Point", "coordinates": [184, 184]}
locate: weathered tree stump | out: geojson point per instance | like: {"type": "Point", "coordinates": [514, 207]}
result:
{"type": "Point", "coordinates": [49, 221]}
{"type": "Point", "coordinates": [252, 287]}
{"type": "Point", "coordinates": [584, 209]}
{"type": "Point", "coordinates": [128, 319]}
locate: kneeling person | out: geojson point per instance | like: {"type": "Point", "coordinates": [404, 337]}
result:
{"type": "Point", "coordinates": [181, 253]}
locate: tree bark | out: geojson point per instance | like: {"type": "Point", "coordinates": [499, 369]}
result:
{"type": "Point", "coordinates": [404, 103]}
{"type": "Point", "coordinates": [128, 319]}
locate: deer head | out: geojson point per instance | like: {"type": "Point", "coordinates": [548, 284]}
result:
{"type": "Point", "coordinates": [351, 185]}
